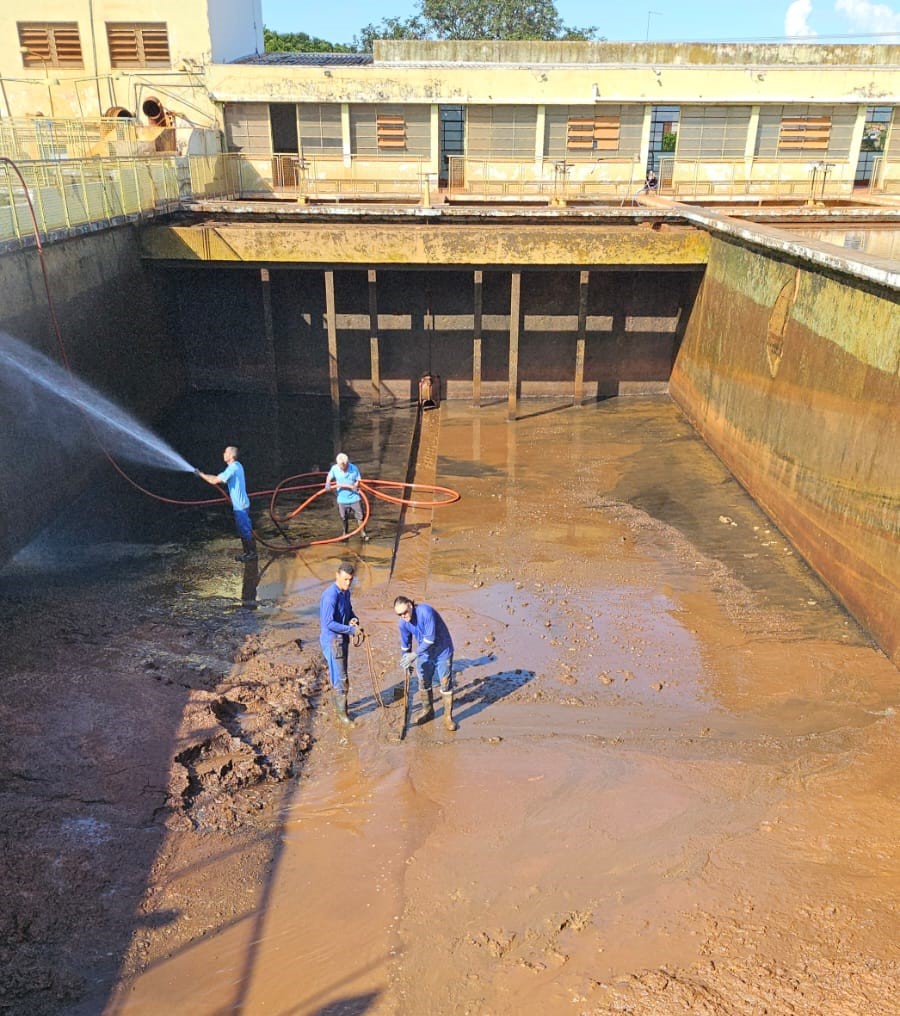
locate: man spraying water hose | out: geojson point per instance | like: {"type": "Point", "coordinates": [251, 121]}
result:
{"type": "Point", "coordinates": [337, 622]}
{"type": "Point", "coordinates": [433, 653]}
{"type": "Point", "coordinates": [233, 478]}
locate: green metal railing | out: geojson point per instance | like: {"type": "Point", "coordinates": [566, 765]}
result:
{"type": "Point", "coordinates": [77, 192]}
{"type": "Point", "coordinates": [68, 193]}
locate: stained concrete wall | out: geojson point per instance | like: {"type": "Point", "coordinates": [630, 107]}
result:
{"type": "Point", "coordinates": [114, 323]}
{"type": "Point", "coordinates": [425, 323]}
{"type": "Point", "coordinates": [792, 376]}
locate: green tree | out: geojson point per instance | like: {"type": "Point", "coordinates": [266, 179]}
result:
{"type": "Point", "coordinates": [300, 42]}
{"type": "Point", "coordinates": [476, 19]}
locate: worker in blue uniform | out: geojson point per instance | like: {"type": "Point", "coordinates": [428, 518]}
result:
{"type": "Point", "coordinates": [432, 656]}
{"type": "Point", "coordinates": [337, 622]}
{"type": "Point", "coordinates": [233, 478]}
{"type": "Point", "coordinates": [344, 477]}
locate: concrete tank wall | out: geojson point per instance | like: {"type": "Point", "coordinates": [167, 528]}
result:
{"type": "Point", "coordinates": [114, 324]}
{"type": "Point", "coordinates": [793, 378]}
{"type": "Point", "coordinates": [425, 323]}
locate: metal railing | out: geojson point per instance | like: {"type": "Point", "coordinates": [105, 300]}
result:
{"type": "Point", "coordinates": [77, 192]}
{"type": "Point", "coordinates": [315, 178]}
{"type": "Point", "coordinates": [331, 177]}
{"type": "Point", "coordinates": [68, 193]}
{"type": "Point", "coordinates": [510, 180]}
{"type": "Point", "coordinates": [35, 138]}
{"type": "Point", "coordinates": [550, 180]}
{"type": "Point", "coordinates": [776, 179]}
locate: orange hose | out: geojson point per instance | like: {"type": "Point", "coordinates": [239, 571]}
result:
{"type": "Point", "coordinates": [372, 486]}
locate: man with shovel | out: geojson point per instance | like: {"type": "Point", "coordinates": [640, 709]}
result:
{"type": "Point", "coordinates": [433, 653]}
{"type": "Point", "coordinates": [337, 622]}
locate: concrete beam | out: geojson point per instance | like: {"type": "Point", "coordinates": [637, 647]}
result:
{"type": "Point", "coordinates": [515, 311]}
{"type": "Point", "coordinates": [370, 244]}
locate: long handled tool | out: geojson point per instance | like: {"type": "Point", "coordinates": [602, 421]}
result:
{"type": "Point", "coordinates": [376, 691]}
{"type": "Point", "coordinates": [407, 677]}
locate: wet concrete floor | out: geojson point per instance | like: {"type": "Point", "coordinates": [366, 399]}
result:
{"type": "Point", "coordinates": [673, 787]}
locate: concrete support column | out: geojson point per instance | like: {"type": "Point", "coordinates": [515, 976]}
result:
{"type": "Point", "coordinates": [856, 140]}
{"type": "Point", "coordinates": [373, 338]}
{"type": "Point", "coordinates": [269, 332]}
{"type": "Point", "coordinates": [346, 142]}
{"type": "Point", "coordinates": [331, 325]}
{"type": "Point", "coordinates": [750, 146]}
{"type": "Point", "coordinates": [515, 308]}
{"type": "Point", "coordinates": [476, 339]}
{"type": "Point", "coordinates": [434, 167]}
{"type": "Point", "coordinates": [645, 138]}
{"type": "Point", "coordinates": [580, 337]}
{"type": "Point", "coordinates": [539, 128]}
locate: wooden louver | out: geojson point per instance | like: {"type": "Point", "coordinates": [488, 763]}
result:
{"type": "Point", "coordinates": [590, 132]}
{"type": "Point", "coordinates": [804, 132]}
{"type": "Point", "coordinates": [390, 131]}
{"type": "Point", "coordinates": [56, 44]}
{"type": "Point", "coordinates": [138, 45]}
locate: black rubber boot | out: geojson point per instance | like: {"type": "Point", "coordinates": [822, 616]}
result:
{"type": "Point", "coordinates": [340, 707]}
{"type": "Point", "coordinates": [249, 550]}
{"type": "Point", "coordinates": [428, 711]}
{"type": "Point", "coordinates": [447, 699]}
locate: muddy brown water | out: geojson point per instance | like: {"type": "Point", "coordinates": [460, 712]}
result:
{"type": "Point", "coordinates": [673, 788]}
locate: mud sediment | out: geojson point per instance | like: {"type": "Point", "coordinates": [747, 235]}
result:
{"type": "Point", "coordinates": [672, 789]}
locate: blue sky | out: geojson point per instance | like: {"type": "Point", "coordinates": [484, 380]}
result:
{"type": "Point", "coordinates": [661, 20]}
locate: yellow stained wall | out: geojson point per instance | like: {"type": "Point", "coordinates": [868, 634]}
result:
{"type": "Point", "coordinates": [417, 245]}
{"type": "Point", "coordinates": [792, 376]}
{"type": "Point", "coordinates": [566, 84]}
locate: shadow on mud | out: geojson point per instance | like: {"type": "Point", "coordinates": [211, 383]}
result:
{"type": "Point", "coordinates": [354, 1006]}
{"type": "Point", "coordinates": [486, 689]}
{"type": "Point", "coordinates": [470, 698]}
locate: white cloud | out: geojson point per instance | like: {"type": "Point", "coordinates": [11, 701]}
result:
{"type": "Point", "coordinates": [869, 18]}
{"type": "Point", "coordinates": [795, 18]}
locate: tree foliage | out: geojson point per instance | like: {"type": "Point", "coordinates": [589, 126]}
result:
{"type": "Point", "coordinates": [300, 42]}
{"type": "Point", "coordinates": [476, 19]}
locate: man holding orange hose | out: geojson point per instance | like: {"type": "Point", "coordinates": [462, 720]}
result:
{"type": "Point", "coordinates": [232, 476]}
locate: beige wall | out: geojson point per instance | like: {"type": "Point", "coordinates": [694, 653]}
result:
{"type": "Point", "coordinates": [561, 84]}
{"type": "Point", "coordinates": [91, 90]}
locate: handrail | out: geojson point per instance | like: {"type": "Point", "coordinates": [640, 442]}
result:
{"type": "Point", "coordinates": [77, 192]}
{"type": "Point", "coordinates": [69, 193]}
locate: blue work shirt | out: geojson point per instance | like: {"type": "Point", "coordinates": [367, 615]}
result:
{"type": "Point", "coordinates": [335, 611]}
{"type": "Point", "coordinates": [338, 476]}
{"type": "Point", "coordinates": [233, 478]}
{"type": "Point", "coordinates": [427, 627]}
